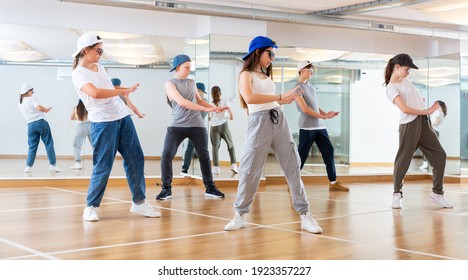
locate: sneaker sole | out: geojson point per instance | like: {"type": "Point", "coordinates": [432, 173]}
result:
{"type": "Point", "coordinates": [90, 220]}
{"type": "Point", "coordinates": [212, 195]}
{"type": "Point", "coordinates": [315, 232]}
{"type": "Point", "coordinates": [433, 200]}
{"type": "Point", "coordinates": [164, 198]}
{"type": "Point", "coordinates": [158, 215]}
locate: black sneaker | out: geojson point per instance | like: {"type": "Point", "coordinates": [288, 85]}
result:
{"type": "Point", "coordinates": [166, 193]}
{"type": "Point", "coordinates": [213, 192]}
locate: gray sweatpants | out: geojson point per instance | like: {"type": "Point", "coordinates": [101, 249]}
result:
{"type": "Point", "coordinates": [262, 134]}
{"type": "Point", "coordinates": [414, 135]}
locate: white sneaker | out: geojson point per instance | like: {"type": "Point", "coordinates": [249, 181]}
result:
{"type": "Point", "coordinates": [308, 223]}
{"type": "Point", "coordinates": [234, 168]}
{"type": "Point", "coordinates": [439, 199]}
{"type": "Point", "coordinates": [90, 214]}
{"type": "Point", "coordinates": [237, 223]}
{"type": "Point", "coordinates": [145, 209]}
{"type": "Point", "coordinates": [216, 170]}
{"type": "Point", "coordinates": [77, 165]}
{"type": "Point", "coordinates": [396, 202]}
{"type": "Point", "coordinates": [27, 169]}
{"type": "Point", "coordinates": [425, 165]}
{"type": "Point", "coordinates": [54, 168]}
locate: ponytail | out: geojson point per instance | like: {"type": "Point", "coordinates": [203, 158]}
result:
{"type": "Point", "coordinates": [389, 71]}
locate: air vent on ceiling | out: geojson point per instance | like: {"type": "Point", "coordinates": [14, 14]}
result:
{"type": "Point", "coordinates": [172, 5]}
{"type": "Point", "coordinates": [381, 26]}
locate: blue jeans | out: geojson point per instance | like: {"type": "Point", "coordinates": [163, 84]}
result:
{"type": "Point", "coordinates": [320, 137]}
{"type": "Point", "coordinates": [174, 137]}
{"type": "Point", "coordinates": [83, 131]}
{"type": "Point", "coordinates": [108, 138]}
{"type": "Point", "coordinates": [40, 129]}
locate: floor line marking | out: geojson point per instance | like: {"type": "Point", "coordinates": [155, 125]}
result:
{"type": "Point", "coordinates": [27, 249]}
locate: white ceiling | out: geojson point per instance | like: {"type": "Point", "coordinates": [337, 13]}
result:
{"type": "Point", "coordinates": [445, 14]}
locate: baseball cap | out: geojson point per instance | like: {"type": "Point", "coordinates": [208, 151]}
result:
{"type": "Point", "coordinates": [404, 59]}
{"type": "Point", "coordinates": [116, 82]}
{"type": "Point", "coordinates": [86, 40]}
{"type": "Point", "coordinates": [25, 88]}
{"type": "Point", "coordinates": [259, 42]}
{"type": "Point", "coordinates": [302, 64]}
{"type": "Point", "coordinates": [201, 86]}
{"type": "Point", "coordinates": [178, 60]}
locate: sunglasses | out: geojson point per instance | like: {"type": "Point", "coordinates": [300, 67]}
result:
{"type": "Point", "coordinates": [99, 51]}
{"type": "Point", "coordinates": [271, 54]}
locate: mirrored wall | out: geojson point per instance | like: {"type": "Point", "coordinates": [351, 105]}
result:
{"type": "Point", "coordinates": [365, 132]}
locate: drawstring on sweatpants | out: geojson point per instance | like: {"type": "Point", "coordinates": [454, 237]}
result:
{"type": "Point", "coordinates": [274, 116]}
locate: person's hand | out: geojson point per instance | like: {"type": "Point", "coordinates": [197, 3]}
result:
{"type": "Point", "coordinates": [434, 107]}
{"type": "Point", "coordinates": [221, 109]}
{"type": "Point", "coordinates": [131, 89]}
{"type": "Point", "coordinates": [290, 96]}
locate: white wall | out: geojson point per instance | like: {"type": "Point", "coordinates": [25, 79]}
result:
{"type": "Point", "coordinates": [373, 120]}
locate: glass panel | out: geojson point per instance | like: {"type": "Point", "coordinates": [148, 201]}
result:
{"type": "Point", "coordinates": [199, 51]}
{"type": "Point", "coordinates": [464, 109]}
{"type": "Point", "coordinates": [333, 89]}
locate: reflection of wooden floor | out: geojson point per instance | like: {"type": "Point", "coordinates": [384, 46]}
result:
{"type": "Point", "coordinates": [45, 223]}
{"type": "Point", "coordinates": [13, 168]}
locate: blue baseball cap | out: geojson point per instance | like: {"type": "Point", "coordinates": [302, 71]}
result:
{"type": "Point", "coordinates": [178, 60]}
{"type": "Point", "coordinates": [116, 82]}
{"type": "Point", "coordinates": [260, 42]}
{"type": "Point", "coordinates": [201, 86]}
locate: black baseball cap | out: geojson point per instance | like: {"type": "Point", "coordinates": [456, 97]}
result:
{"type": "Point", "coordinates": [404, 59]}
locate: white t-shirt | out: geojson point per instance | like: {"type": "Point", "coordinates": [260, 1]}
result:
{"type": "Point", "coordinates": [99, 110]}
{"type": "Point", "coordinates": [438, 114]}
{"type": "Point", "coordinates": [217, 119]}
{"type": "Point", "coordinates": [410, 95]}
{"type": "Point", "coordinates": [28, 108]}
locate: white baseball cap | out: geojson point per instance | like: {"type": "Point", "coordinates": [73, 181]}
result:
{"type": "Point", "coordinates": [86, 40]}
{"type": "Point", "coordinates": [301, 65]}
{"type": "Point", "coordinates": [25, 88]}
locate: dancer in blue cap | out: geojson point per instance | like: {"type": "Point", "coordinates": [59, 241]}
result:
{"type": "Point", "coordinates": [186, 104]}
{"type": "Point", "coordinates": [267, 129]}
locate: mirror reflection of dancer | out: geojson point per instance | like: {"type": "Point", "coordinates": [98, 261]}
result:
{"type": "Point", "coordinates": [38, 128]}
{"type": "Point", "coordinates": [83, 131]}
{"type": "Point", "coordinates": [312, 128]}
{"type": "Point", "coordinates": [186, 104]}
{"type": "Point", "coordinates": [415, 130]}
{"type": "Point", "coordinates": [267, 129]}
{"type": "Point", "coordinates": [437, 118]}
{"type": "Point", "coordinates": [112, 129]}
{"type": "Point", "coordinates": [117, 83]}
{"type": "Point", "coordinates": [190, 150]}
{"type": "Point", "coordinates": [219, 129]}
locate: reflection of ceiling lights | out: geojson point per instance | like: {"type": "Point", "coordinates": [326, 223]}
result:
{"type": "Point", "coordinates": [18, 51]}
{"type": "Point", "coordinates": [315, 55]}
{"type": "Point", "coordinates": [137, 54]}
{"type": "Point", "coordinates": [438, 72]}
{"type": "Point", "coordinates": [198, 42]}
{"type": "Point", "coordinates": [357, 56]}
{"type": "Point", "coordinates": [11, 46]}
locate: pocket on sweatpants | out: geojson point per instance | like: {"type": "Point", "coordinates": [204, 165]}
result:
{"type": "Point", "coordinates": [248, 160]}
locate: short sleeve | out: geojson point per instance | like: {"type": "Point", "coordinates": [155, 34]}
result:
{"type": "Point", "coordinates": [392, 92]}
{"type": "Point", "coordinates": [79, 79]}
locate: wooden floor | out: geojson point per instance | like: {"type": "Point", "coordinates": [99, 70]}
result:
{"type": "Point", "coordinates": [45, 222]}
